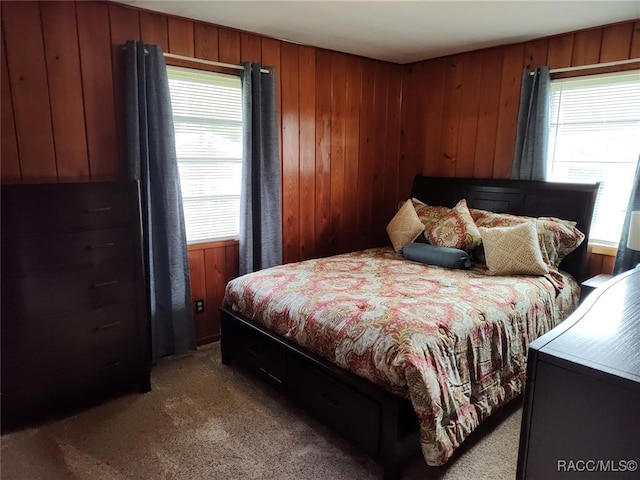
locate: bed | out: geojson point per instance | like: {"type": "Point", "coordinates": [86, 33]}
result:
{"type": "Point", "coordinates": [399, 356]}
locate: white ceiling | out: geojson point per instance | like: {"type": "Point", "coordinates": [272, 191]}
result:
{"type": "Point", "coordinates": [402, 31]}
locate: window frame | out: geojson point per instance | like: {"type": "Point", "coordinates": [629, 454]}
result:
{"type": "Point", "coordinates": [199, 67]}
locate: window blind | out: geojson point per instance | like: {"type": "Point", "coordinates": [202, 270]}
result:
{"type": "Point", "coordinates": [595, 137]}
{"type": "Point", "coordinates": [207, 115]}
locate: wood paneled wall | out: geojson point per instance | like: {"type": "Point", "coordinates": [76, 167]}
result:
{"type": "Point", "coordinates": [460, 111]}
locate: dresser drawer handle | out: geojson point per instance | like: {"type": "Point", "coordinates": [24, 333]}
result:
{"type": "Point", "coordinates": [111, 365]}
{"type": "Point", "coordinates": [105, 284]}
{"type": "Point", "coordinates": [273, 377]}
{"type": "Point", "coordinates": [253, 352]}
{"type": "Point", "coordinates": [102, 245]}
{"type": "Point", "coordinates": [97, 210]}
{"type": "Point", "coordinates": [106, 326]}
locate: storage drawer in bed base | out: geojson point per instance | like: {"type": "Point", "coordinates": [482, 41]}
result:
{"type": "Point", "coordinates": [381, 424]}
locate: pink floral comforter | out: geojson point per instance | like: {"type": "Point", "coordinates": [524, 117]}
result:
{"type": "Point", "coordinates": [453, 341]}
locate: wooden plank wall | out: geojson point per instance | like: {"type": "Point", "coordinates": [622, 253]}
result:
{"type": "Point", "coordinates": [63, 117]}
{"type": "Point", "coordinates": [461, 110]}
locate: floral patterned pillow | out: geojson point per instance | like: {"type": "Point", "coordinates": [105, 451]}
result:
{"type": "Point", "coordinates": [557, 237]}
{"type": "Point", "coordinates": [449, 227]}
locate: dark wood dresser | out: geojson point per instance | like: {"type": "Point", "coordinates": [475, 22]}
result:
{"type": "Point", "coordinates": [581, 416]}
{"type": "Point", "coordinates": [74, 312]}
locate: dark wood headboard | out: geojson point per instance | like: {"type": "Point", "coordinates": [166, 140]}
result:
{"type": "Point", "coordinates": [568, 201]}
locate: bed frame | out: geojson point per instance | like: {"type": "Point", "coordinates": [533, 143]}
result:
{"type": "Point", "coordinates": [382, 424]}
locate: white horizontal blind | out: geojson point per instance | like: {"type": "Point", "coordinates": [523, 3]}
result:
{"type": "Point", "coordinates": [595, 137]}
{"type": "Point", "coordinates": [207, 116]}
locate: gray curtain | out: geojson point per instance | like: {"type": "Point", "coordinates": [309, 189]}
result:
{"type": "Point", "coordinates": [260, 204]}
{"type": "Point", "coordinates": [151, 159]}
{"type": "Point", "coordinates": [532, 136]}
{"type": "Point", "coordinates": [626, 258]}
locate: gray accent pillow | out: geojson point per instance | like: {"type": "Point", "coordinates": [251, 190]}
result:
{"type": "Point", "coordinates": [436, 255]}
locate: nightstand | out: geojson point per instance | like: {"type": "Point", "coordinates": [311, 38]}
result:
{"type": "Point", "coordinates": [592, 283]}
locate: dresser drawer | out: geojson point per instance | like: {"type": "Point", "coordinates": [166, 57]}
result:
{"type": "Point", "coordinates": [60, 207]}
{"type": "Point", "coordinates": [74, 249]}
{"type": "Point", "coordinates": [260, 355]}
{"type": "Point", "coordinates": [50, 294]}
{"type": "Point", "coordinates": [67, 335]}
{"type": "Point", "coordinates": [335, 403]}
{"type": "Point", "coordinates": [103, 353]}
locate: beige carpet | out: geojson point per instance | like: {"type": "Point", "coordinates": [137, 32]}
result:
{"type": "Point", "coordinates": [203, 420]}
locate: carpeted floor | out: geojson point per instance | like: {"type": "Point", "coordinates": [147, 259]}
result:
{"type": "Point", "coordinates": [203, 420]}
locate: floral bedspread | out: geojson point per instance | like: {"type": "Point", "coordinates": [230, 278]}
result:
{"type": "Point", "coordinates": [453, 341]}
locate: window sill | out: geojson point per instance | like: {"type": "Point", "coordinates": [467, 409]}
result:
{"type": "Point", "coordinates": [213, 244]}
{"type": "Point", "coordinates": [602, 249]}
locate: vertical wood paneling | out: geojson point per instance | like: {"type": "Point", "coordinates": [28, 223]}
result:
{"type": "Point", "coordinates": [229, 46]}
{"type": "Point", "coordinates": [28, 76]}
{"type": "Point", "coordinates": [307, 120]}
{"type": "Point", "coordinates": [412, 136]}
{"type": "Point", "coordinates": [250, 48]}
{"type": "Point", "coordinates": [290, 153]}
{"type": "Point", "coordinates": [232, 262]}
{"type": "Point", "coordinates": [392, 144]}
{"type": "Point", "coordinates": [616, 42]}
{"type": "Point", "coordinates": [206, 41]}
{"type": "Point", "coordinates": [352, 150]}
{"type": "Point", "coordinates": [508, 110]}
{"type": "Point", "coordinates": [154, 30]}
{"type": "Point", "coordinates": [65, 88]}
{"type": "Point", "coordinates": [199, 290]}
{"type": "Point", "coordinates": [535, 53]}
{"type": "Point", "coordinates": [181, 37]}
{"type": "Point", "coordinates": [338, 112]}
{"type": "Point", "coordinates": [215, 277]}
{"type": "Point", "coordinates": [490, 84]}
{"type": "Point", "coordinates": [472, 76]}
{"type": "Point", "coordinates": [560, 51]}
{"type": "Point", "coordinates": [453, 78]}
{"type": "Point", "coordinates": [586, 47]}
{"type": "Point", "coordinates": [323, 151]}
{"type": "Point", "coordinates": [377, 233]}
{"type": "Point", "coordinates": [434, 86]}
{"type": "Point", "coordinates": [95, 58]}
{"type": "Point", "coordinates": [635, 41]}
{"type": "Point", "coordinates": [9, 161]}
{"type": "Point", "coordinates": [125, 25]}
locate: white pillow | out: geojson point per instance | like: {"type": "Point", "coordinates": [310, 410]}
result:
{"type": "Point", "coordinates": [404, 227]}
{"type": "Point", "coordinates": [513, 250]}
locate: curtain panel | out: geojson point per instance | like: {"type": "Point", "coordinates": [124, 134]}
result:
{"type": "Point", "coordinates": [626, 259]}
{"type": "Point", "coordinates": [151, 159]}
{"type": "Point", "coordinates": [532, 135]}
{"type": "Point", "coordinates": [260, 202]}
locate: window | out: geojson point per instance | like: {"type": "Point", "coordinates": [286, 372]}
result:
{"type": "Point", "coordinates": [207, 116]}
{"type": "Point", "coordinates": [595, 137]}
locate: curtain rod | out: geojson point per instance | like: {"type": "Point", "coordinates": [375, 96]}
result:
{"type": "Point", "coordinates": [593, 65]}
{"type": "Point", "coordinates": [209, 62]}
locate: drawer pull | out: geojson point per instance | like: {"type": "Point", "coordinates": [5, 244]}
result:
{"type": "Point", "coordinates": [105, 284]}
{"type": "Point", "coordinates": [97, 210]}
{"type": "Point", "coordinates": [273, 377]}
{"type": "Point", "coordinates": [106, 326]}
{"type": "Point", "coordinates": [111, 365]}
{"type": "Point", "coordinates": [253, 352]}
{"type": "Point", "coordinates": [331, 401]}
{"type": "Point", "coordinates": [102, 245]}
